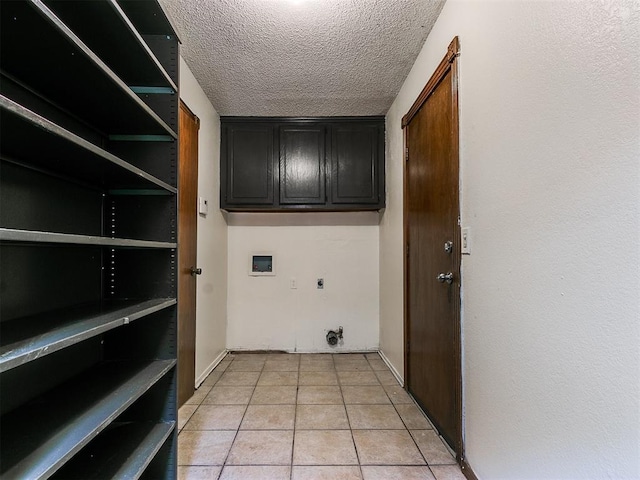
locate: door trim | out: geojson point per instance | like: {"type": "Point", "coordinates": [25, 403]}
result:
{"type": "Point", "coordinates": [193, 116]}
{"type": "Point", "coordinates": [448, 64]}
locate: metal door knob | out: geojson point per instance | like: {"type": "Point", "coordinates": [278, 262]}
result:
{"type": "Point", "coordinates": [196, 271]}
{"type": "Point", "coordinates": [445, 277]}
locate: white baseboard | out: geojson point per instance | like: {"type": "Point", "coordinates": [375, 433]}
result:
{"type": "Point", "coordinates": [210, 368]}
{"type": "Point", "coordinates": [392, 368]}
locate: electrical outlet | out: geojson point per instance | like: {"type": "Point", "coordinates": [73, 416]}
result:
{"type": "Point", "coordinates": [203, 206]}
{"type": "Point", "coordinates": [293, 284]}
{"type": "Point", "coordinates": [466, 241]}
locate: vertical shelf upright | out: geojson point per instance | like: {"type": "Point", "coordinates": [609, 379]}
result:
{"type": "Point", "coordinates": [88, 220]}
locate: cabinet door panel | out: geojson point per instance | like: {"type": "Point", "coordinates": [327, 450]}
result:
{"type": "Point", "coordinates": [250, 179]}
{"type": "Point", "coordinates": [302, 165]}
{"type": "Point", "coordinates": [354, 164]}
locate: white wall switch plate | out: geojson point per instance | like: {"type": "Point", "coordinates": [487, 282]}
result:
{"type": "Point", "coordinates": [203, 206]}
{"type": "Point", "coordinates": [466, 241]}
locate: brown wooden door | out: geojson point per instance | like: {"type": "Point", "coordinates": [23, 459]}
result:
{"type": "Point", "coordinates": [432, 212]}
{"type": "Point", "coordinates": [187, 247]}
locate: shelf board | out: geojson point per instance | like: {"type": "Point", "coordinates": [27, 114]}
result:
{"type": "Point", "coordinates": [30, 138]}
{"type": "Point", "coordinates": [26, 339]}
{"type": "Point", "coordinates": [31, 236]}
{"type": "Point", "coordinates": [76, 80]}
{"type": "Point", "coordinates": [148, 17]}
{"type": "Point", "coordinates": [36, 442]}
{"type": "Point", "coordinates": [123, 450]}
{"type": "Point", "coordinates": [97, 24]}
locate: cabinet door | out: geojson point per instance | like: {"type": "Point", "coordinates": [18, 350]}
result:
{"type": "Point", "coordinates": [248, 150]}
{"type": "Point", "coordinates": [302, 165]}
{"type": "Point", "coordinates": [355, 164]}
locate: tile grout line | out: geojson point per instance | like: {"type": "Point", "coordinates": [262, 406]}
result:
{"type": "Point", "coordinates": [295, 418]}
{"type": "Point", "coordinates": [353, 440]}
{"type": "Point", "coordinates": [409, 432]}
{"type": "Point", "coordinates": [433, 428]}
{"type": "Point", "coordinates": [198, 405]}
{"type": "Point", "coordinates": [406, 428]}
{"type": "Point", "coordinates": [224, 462]}
{"type": "Point", "coordinates": [395, 407]}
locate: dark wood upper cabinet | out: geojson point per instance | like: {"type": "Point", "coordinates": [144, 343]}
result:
{"type": "Point", "coordinates": [247, 153]}
{"type": "Point", "coordinates": [355, 163]}
{"type": "Point", "coordinates": [302, 165]}
{"type": "Point", "coordinates": [325, 164]}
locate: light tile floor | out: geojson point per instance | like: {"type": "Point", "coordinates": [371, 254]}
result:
{"type": "Point", "coordinates": [307, 417]}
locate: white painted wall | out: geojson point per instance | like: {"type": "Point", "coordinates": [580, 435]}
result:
{"type": "Point", "coordinates": [550, 160]}
{"type": "Point", "coordinates": [391, 251]}
{"type": "Point", "coordinates": [265, 313]}
{"type": "Point", "coordinates": [211, 309]}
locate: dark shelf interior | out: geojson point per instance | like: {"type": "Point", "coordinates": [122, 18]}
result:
{"type": "Point", "coordinates": [29, 137]}
{"type": "Point", "coordinates": [148, 19]}
{"type": "Point", "coordinates": [137, 444]}
{"type": "Point", "coordinates": [85, 213]}
{"type": "Point", "coordinates": [30, 338]}
{"type": "Point", "coordinates": [74, 73]}
{"type": "Point", "coordinates": [97, 23]}
{"type": "Point", "coordinates": [36, 442]}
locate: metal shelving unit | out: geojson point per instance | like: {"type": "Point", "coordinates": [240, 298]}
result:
{"type": "Point", "coordinates": [150, 20]}
{"type": "Point", "coordinates": [75, 73]}
{"type": "Point", "coordinates": [36, 443]}
{"type": "Point", "coordinates": [51, 147]}
{"type": "Point", "coordinates": [139, 443]}
{"type": "Point", "coordinates": [88, 232]}
{"type": "Point", "coordinates": [27, 236]}
{"type": "Point", "coordinates": [26, 339]}
{"type": "Point", "coordinates": [96, 24]}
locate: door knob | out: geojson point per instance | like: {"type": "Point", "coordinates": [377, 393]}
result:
{"type": "Point", "coordinates": [445, 277]}
{"type": "Point", "coordinates": [196, 271]}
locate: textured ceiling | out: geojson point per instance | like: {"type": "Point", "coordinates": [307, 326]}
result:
{"type": "Point", "coordinates": [302, 57]}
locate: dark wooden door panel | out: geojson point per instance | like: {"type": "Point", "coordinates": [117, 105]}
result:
{"type": "Point", "coordinates": [187, 249]}
{"type": "Point", "coordinates": [354, 164]}
{"type": "Point", "coordinates": [302, 165]}
{"type": "Point", "coordinates": [249, 155]}
{"type": "Point", "coordinates": [432, 210]}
